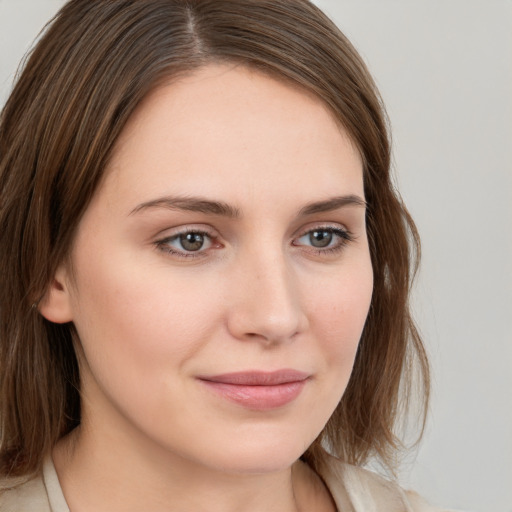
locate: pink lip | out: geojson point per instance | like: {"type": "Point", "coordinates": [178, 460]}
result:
{"type": "Point", "coordinates": [258, 390]}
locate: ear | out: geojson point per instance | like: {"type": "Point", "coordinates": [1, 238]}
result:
{"type": "Point", "coordinates": [55, 305]}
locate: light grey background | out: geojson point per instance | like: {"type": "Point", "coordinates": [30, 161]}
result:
{"type": "Point", "coordinates": [444, 68]}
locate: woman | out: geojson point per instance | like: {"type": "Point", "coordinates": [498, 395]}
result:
{"type": "Point", "coordinates": [205, 266]}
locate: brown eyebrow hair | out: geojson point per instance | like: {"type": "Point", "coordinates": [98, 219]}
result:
{"type": "Point", "coordinates": [193, 204]}
{"type": "Point", "coordinates": [203, 205]}
{"type": "Point", "coordinates": [332, 203]}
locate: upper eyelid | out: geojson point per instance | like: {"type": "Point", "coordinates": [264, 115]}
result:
{"type": "Point", "coordinates": [214, 233]}
{"type": "Point", "coordinates": [164, 245]}
{"type": "Point", "coordinates": [334, 229]}
{"type": "Point", "coordinates": [344, 239]}
{"type": "Point", "coordinates": [335, 226]}
{"type": "Point", "coordinates": [173, 232]}
{"type": "Point", "coordinates": [342, 233]}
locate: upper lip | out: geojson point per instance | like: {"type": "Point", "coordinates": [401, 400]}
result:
{"type": "Point", "coordinates": [258, 378]}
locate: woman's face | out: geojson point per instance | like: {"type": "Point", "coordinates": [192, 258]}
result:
{"type": "Point", "coordinates": [221, 276]}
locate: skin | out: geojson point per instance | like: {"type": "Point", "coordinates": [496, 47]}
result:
{"type": "Point", "coordinates": [257, 295]}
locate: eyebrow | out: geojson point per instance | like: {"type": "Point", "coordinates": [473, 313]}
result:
{"type": "Point", "coordinates": [191, 204]}
{"type": "Point", "coordinates": [333, 203]}
{"type": "Point", "coordinates": [203, 205]}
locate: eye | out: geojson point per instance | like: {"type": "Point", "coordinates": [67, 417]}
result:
{"type": "Point", "coordinates": [187, 243]}
{"type": "Point", "coordinates": [320, 238]}
{"type": "Point", "coordinates": [192, 241]}
{"type": "Point", "coordinates": [324, 239]}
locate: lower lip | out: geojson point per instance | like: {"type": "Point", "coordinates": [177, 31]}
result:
{"type": "Point", "coordinates": [259, 398]}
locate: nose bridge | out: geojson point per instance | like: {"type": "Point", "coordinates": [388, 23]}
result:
{"type": "Point", "coordinates": [267, 305]}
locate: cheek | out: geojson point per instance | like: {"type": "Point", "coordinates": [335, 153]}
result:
{"type": "Point", "coordinates": [141, 327]}
{"type": "Point", "coordinates": [140, 314]}
{"type": "Point", "coordinates": [341, 304]}
{"type": "Point", "coordinates": [338, 314]}
{"type": "Point", "coordinates": [338, 306]}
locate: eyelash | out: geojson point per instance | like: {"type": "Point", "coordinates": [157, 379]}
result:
{"type": "Point", "coordinates": [164, 246]}
{"type": "Point", "coordinates": [343, 235]}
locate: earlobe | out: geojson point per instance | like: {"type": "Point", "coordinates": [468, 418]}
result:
{"type": "Point", "coordinates": [55, 305]}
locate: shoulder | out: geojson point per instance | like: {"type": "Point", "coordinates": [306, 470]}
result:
{"type": "Point", "coordinates": [358, 489]}
{"type": "Point", "coordinates": [23, 495]}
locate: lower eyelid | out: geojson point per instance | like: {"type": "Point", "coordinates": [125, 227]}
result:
{"type": "Point", "coordinates": [180, 254]}
{"type": "Point", "coordinates": [164, 247]}
{"type": "Point", "coordinates": [163, 244]}
{"type": "Point", "coordinates": [344, 237]}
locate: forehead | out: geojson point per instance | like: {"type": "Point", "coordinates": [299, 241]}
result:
{"type": "Point", "coordinates": [226, 129]}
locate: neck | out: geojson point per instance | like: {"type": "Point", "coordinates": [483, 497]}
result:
{"type": "Point", "coordinates": [106, 476]}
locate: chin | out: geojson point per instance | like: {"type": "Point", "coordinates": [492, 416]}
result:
{"type": "Point", "coordinates": [259, 453]}
{"type": "Point", "coordinates": [260, 463]}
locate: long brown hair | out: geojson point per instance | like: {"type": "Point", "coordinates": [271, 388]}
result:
{"type": "Point", "coordinates": [93, 65]}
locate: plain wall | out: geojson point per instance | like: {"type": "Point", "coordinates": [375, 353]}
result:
{"type": "Point", "coordinates": [444, 68]}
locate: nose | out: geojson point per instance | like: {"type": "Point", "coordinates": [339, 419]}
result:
{"type": "Point", "coordinates": [266, 305]}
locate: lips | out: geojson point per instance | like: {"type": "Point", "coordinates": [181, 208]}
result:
{"type": "Point", "coordinates": [258, 390]}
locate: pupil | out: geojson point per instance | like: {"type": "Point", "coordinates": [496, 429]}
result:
{"type": "Point", "coordinates": [320, 238]}
{"type": "Point", "coordinates": [192, 241]}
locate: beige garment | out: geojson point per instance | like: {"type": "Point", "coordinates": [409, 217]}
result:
{"type": "Point", "coordinates": [40, 494]}
{"type": "Point", "coordinates": [353, 489]}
